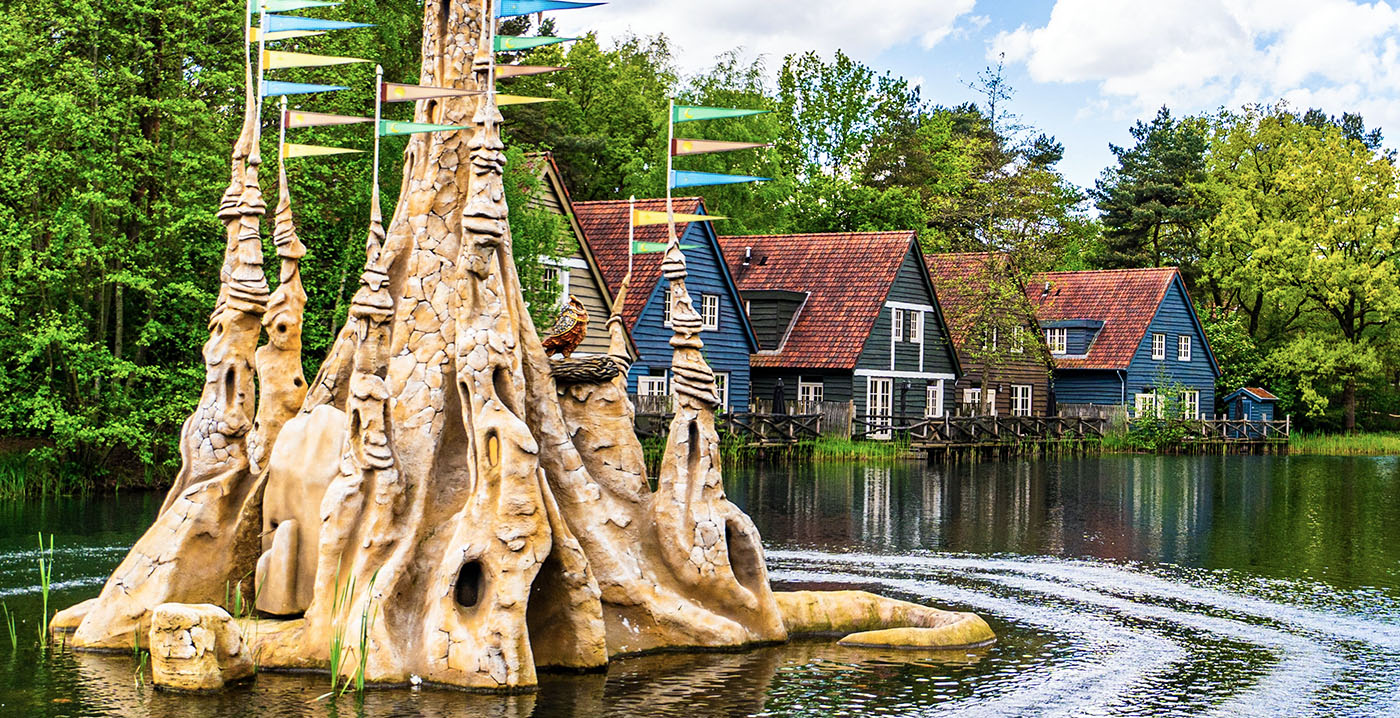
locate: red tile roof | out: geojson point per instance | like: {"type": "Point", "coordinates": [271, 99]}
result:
{"type": "Point", "coordinates": [959, 278]}
{"type": "Point", "coordinates": [1125, 300]}
{"type": "Point", "coordinates": [1261, 393]}
{"type": "Point", "coordinates": [847, 277]}
{"type": "Point", "coordinates": [605, 227]}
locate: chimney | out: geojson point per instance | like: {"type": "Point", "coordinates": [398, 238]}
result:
{"type": "Point", "coordinates": [748, 254]}
{"type": "Point", "coordinates": [1046, 291]}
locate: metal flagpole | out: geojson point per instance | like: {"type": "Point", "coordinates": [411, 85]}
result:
{"type": "Point", "coordinates": [631, 223]}
{"type": "Point", "coordinates": [378, 104]}
{"type": "Point", "coordinates": [670, 140]}
{"type": "Point", "coordinates": [282, 134]}
{"type": "Point", "coordinates": [262, 54]}
{"type": "Point", "coordinates": [247, 37]}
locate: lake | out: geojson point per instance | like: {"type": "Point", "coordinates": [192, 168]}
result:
{"type": "Point", "coordinates": [1121, 585]}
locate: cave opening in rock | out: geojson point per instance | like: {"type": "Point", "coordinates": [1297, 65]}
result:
{"type": "Point", "coordinates": [470, 586]}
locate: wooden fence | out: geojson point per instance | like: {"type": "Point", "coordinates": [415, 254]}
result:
{"type": "Point", "coordinates": [958, 430]}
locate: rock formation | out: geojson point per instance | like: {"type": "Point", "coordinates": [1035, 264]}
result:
{"type": "Point", "coordinates": [435, 487]}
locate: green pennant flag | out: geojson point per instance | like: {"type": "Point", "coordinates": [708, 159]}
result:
{"type": "Point", "coordinates": [690, 113]}
{"type": "Point", "coordinates": [648, 247]}
{"type": "Point", "coordinates": [289, 5]}
{"type": "Point", "coordinates": [512, 43]}
{"type": "Point", "coordinates": [392, 127]}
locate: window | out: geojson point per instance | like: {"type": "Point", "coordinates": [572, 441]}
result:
{"type": "Point", "coordinates": [898, 318]}
{"type": "Point", "coordinates": [1190, 404]}
{"type": "Point", "coordinates": [916, 327]}
{"type": "Point", "coordinates": [809, 391]}
{"type": "Point", "coordinates": [1058, 340]}
{"type": "Point", "coordinates": [1159, 346]}
{"type": "Point", "coordinates": [557, 276]}
{"type": "Point", "coordinates": [989, 339]}
{"type": "Point", "coordinates": [1021, 399]}
{"type": "Point", "coordinates": [651, 386]}
{"type": "Point", "coordinates": [1183, 348]}
{"type": "Point", "coordinates": [666, 309]}
{"type": "Point", "coordinates": [748, 307]}
{"type": "Point", "coordinates": [973, 398]}
{"type": "Point", "coordinates": [933, 399]}
{"type": "Point", "coordinates": [709, 311]}
{"type": "Point", "coordinates": [879, 406]}
{"type": "Point", "coordinates": [1145, 405]}
{"type": "Point", "coordinates": [991, 402]}
{"type": "Point", "coordinates": [1018, 342]}
{"type": "Point", "coordinates": [722, 388]}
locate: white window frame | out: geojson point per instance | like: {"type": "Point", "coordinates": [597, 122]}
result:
{"type": "Point", "coordinates": [652, 386]}
{"type": "Point", "coordinates": [1190, 404]}
{"type": "Point", "coordinates": [709, 312]}
{"type": "Point", "coordinates": [561, 275]}
{"type": "Point", "coordinates": [1018, 340]}
{"type": "Point", "coordinates": [666, 309]}
{"type": "Point", "coordinates": [916, 326]}
{"type": "Point", "coordinates": [1159, 346]}
{"type": "Point", "coordinates": [933, 399]}
{"type": "Point", "coordinates": [1183, 347]}
{"type": "Point", "coordinates": [876, 386]}
{"type": "Point", "coordinates": [992, 402]}
{"type": "Point", "coordinates": [1057, 338]}
{"type": "Point", "coordinates": [989, 337]}
{"type": "Point", "coordinates": [1146, 402]}
{"type": "Point", "coordinates": [1022, 399]}
{"type": "Point", "coordinates": [897, 320]}
{"type": "Point", "coordinates": [972, 395]}
{"type": "Point", "coordinates": [722, 388]}
{"type": "Point", "coordinates": [810, 391]}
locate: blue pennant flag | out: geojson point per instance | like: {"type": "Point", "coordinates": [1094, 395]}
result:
{"type": "Point", "coordinates": [280, 23]}
{"type": "Point", "coordinates": [271, 88]}
{"type": "Point", "coordinates": [685, 178]}
{"type": "Point", "coordinates": [512, 8]}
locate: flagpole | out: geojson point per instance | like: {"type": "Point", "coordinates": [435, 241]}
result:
{"type": "Point", "coordinates": [282, 133]}
{"type": "Point", "coordinates": [262, 53]}
{"type": "Point", "coordinates": [247, 39]}
{"type": "Point", "coordinates": [670, 140]}
{"type": "Point", "coordinates": [378, 105]}
{"type": "Point", "coordinates": [631, 224]}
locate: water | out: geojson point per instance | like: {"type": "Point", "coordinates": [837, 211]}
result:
{"type": "Point", "coordinates": [1134, 586]}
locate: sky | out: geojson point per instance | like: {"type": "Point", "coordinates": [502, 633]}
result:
{"type": "Point", "coordinates": [1083, 70]}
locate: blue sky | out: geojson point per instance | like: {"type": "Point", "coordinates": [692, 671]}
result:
{"type": "Point", "coordinates": [1083, 70]}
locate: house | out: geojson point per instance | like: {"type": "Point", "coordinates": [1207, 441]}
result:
{"type": "Point", "coordinates": [729, 340]}
{"type": "Point", "coordinates": [845, 317]}
{"type": "Point", "coordinates": [1125, 337]}
{"type": "Point", "coordinates": [1251, 403]}
{"type": "Point", "coordinates": [994, 331]}
{"type": "Point", "coordinates": [576, 270]}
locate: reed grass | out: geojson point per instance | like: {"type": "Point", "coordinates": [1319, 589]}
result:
{"type": "Point", "coordinates": [831, 448]}
{"type": "Point", "coordinates": [45, 580]}
{"type": "Point", "coordinates": [26, 475]}
{"type": "Point", "coordinates": [1363, 444]}
{"type": "Point", "coordinates": [10, 626]}
{"type": "Point", "coordinates": [339, 602]}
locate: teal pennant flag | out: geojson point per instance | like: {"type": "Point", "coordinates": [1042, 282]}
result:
{"type": "Point", "coordinates": [391, 127]}
{"type": "Point", "coordinates": [648, 247]}
{"type": "Point", "coordinates": [690, 113]}
{"type": "Point", "coordinates": [289, 5]}
{"type": "Point", "coordinates": [512, 43]}
{"type": "Point", "coordinates": [685, 178]}
{"type": "Point", "coordinates": [512, 8]}
{"type": "Point", "coordinates": [272, 88]}
{"type": "Point", "coordinates": [280, 23]}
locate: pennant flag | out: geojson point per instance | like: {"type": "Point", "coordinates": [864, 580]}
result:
{"type": "Point", "coordinates": [690, 113]}
{"type": "Point", "coordinates": [294, 150]}
{"type": "Point", "coordinates": [279, 23]}
{"type": "Point", "coordinates": [289, 5]}
{"type": "Point", "coordinates": [511, 43]}
{"type": "Point", "coordinates": [272, 88]}
{"type": "Point", "coordinates": [512, 8]}
{"type": "Point", "coordinates": [390, 127]}
{"type": "Point", "coordinates": [504, 71]}
{"type": "Point", "coordinates": [695, 147]}
{"type": "Point", "coordinates": [278, 60]}
{"type": "Point", "coordinates": [398, 92]}
{"type": "Point", "coordinates": [648, 247]}
{"type": "Point", "coordinates": [641, 217]}
{"type": "Point", "coordinates": [297, 118]}
{"type": "Point", "coordinates": [520, 100]}
{"type": "Point", "coordinates": [683, 178]}
{"type": "Point", "coordinates": [254, 33]}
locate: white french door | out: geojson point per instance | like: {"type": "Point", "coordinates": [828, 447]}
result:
{"type": "Point", "coordinates": [879, 404]}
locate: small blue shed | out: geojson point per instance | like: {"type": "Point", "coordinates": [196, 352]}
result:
{"type": "Point", "coordinates": [1250, 403]}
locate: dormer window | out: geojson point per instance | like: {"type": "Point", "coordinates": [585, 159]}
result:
{"type": "Point", "coordinates": [1057, 338]}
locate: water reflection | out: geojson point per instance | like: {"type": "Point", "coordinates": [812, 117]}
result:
{"type": "Point", "coordinates": [1321, 517]}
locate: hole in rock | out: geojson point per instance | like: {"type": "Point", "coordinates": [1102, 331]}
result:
{"type": "Point", "coordinates": [230, 385]}
{"type": "Point", "coordinates": [743, 558]}
{"type": "Point", "coordinates": [296, 381]}
{"type": "Point", "coordinates": [505, 389]}
{"type": "Point", "coordinates": [693, 447]}
{"type": "Point", "coordinates": [471, 585]}
{"type": "Point", "coordinates": [493, 448]}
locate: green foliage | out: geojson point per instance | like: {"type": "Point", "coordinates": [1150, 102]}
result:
{"type": "Point", "coordinates": [1368, 444]}
{"type": "Point", "coordinates": [534, 233]}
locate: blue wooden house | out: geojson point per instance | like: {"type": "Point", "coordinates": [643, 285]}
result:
{"type": "Point", "coordinates": [1251, 403]}
{"type": "Point", "coordinates": [728, 337]}
{"type": "Point", "coordinates": [1125, 337]}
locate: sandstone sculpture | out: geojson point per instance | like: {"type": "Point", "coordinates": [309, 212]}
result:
{"type": "Point", "coordinates": [196, 648]}
{"type": "Point", "coordinates": [435, 485]}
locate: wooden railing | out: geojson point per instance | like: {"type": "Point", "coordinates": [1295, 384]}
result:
{"type": "Point", "coordinates": [1238, 430]}
{"type": "Point", "coordinates": [977, 429]}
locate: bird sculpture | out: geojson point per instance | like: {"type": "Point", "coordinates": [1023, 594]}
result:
{"type": "Point", "coordinates": [568, 330]}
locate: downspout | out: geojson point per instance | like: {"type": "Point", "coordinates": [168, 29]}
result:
{"type": "Point", "coordinates": [1123, 388]}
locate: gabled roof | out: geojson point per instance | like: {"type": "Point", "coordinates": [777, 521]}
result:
{"type": "Point", "coordinates": [1125, 300]}
{"type": "Point", "coordinates": [605, 224]}
{"type": "Point", "coordinates": [961, 279]}
{"type": "Point", "coordinates": [544, 163]}
{"type": "Point", "coordinates": [1254, 391]}
{"type": "Point", "coordinates": [848, 276]}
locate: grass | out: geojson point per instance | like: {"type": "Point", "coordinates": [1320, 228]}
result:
{"type": "Point", "coordinates": [10, 626]}
{"type": "Point", "coordinates": [831, 448]}
{"type": "Point", "coordinates": [1363, 444]}
{"type": "Point", "coordinates": [25, 475]}
{"type": "Point", "coordinates": [45, 579]}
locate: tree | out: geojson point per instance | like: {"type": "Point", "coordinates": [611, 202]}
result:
{"type": "Point", "coordinates": [1152, 205]}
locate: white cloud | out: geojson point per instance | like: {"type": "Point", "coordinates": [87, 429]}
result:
{"type": "Point", "coordinates": [1339, 55]}
{"type": "Point", "coordinates": [702, 29]}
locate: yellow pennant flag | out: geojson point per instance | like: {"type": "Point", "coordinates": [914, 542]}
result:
{"type": "Point", "coordinates": [520, 100]}
{"type": "Point", "coordinates": [294, 150]}
{"type": "Point", "coordinates": [254, 33]}
{"type": "Point", "coordinates": [642, 217]}
{"type": "Point", "coordinates": [277, 60]}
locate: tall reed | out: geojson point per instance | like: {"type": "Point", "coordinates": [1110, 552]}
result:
{"type": "Point", "coordinates": [45, 580]}
{"type": "Point", "coordinates": [10, 626]}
